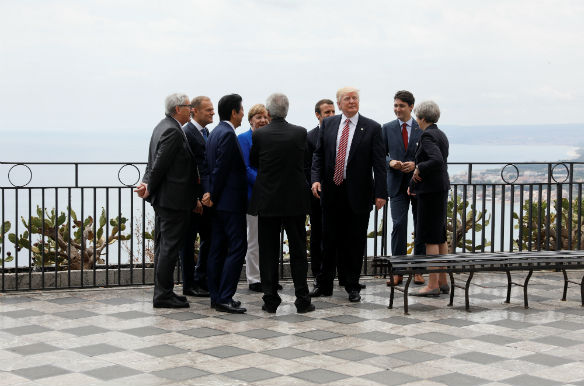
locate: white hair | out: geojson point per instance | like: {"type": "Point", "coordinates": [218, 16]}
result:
{"type": "Point", "coordinates": [277, 105]}
{"type": "Point", "coordinates": [345, 90]}
{"type": "Point", "coordinates": [428, 111]}
{"type": "Point", "coordinates": [174, 100]}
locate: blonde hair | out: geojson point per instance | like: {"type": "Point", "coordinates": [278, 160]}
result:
{"type": "Point", "coordinates": [345, 90]}
{"type": "Point", "coordinates": [256, 109]}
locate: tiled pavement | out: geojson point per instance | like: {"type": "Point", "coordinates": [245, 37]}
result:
{"type": "Point", "coordinates": [115, 337]}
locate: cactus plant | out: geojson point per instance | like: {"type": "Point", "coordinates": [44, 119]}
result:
{"type": "Point", "coordinates": [5, 228]}
{"type": "Point", "coordinates": [54, 244]}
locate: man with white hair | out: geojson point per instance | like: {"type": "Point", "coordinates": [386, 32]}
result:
{"type": "Point", "coordinates": [169, 184]}
{"type": "Point", "coordinates": [350, 147]}
{"type": "Point", "coordinates": [280, 197]}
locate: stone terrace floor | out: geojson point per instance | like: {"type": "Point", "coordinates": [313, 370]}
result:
{"type": "Point", "coordinates": [115, 337]}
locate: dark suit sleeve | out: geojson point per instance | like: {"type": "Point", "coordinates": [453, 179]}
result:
{"type": "Point", "coordinates": [250, 170]}
{"type": "Point", "coordinates": [318, 157]}
{"type": "Point", "coordinates": [385, 138]}
{"type": "Point", "coordinates": [254, 155]}
{"type": "Point", "coordinates": [435, 159]}
{"type": "Point", "coordinates": [226, 150]}
{"type": "Point", "coordinates": [168, 145]}
{"type": "Point", "coordinates": [379, 164]}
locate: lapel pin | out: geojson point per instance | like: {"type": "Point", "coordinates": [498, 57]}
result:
{"type": "Point", "coordinates": [361, 129]}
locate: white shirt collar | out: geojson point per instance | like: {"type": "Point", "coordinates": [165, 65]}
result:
{"type": "Point", "coordinates": [199, 127]}
{"type": "Point", "coordinates": [353, 119]}
{"type": "Point", "coordinates": [230, 124]}
{"type": "Point", "coordinates": [408, 122]}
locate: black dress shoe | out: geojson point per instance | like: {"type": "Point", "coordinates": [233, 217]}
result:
{"type": "Point", "coordinates": [318, 291]}
{"type": "Point", "coordinates": [171, 303]}
{"type": "Point", "coordinates": [305, 309]}
{"type": "Point", "coordinates": [179, 297]}
{"type": "Point", "coordinates": [196, 291]}
{"type": "Point", "coordinates": [229, 307]}
{"type": "Point", "coordinates": [235, 303]}
{"type": "Point", "coordinates": [363, 286]}
{"type": "Point", "coordinates": [280, 288]}
{"type": "Point", "coordinates": [271, 310]}
{"type": "Point", "coordinates": [255, 287]}
{"type": "Point", "coordinates": [354, 296]}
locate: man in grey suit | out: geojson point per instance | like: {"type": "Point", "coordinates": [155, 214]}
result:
{"type": "Point", "coordinates": [401, 137]}
{"type": "Point", "coordinates": [169, 184]}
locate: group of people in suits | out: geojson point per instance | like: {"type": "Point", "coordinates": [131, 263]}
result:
{"type": "Point", "coordinates": [238, 193]}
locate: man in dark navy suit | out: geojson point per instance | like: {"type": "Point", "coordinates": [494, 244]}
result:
{"type": "Point", "coordinates": [227, 194]}
{"type": "Point", "coordinates": [195, 277]}
{"type": "Point", "coordinates": [350, 151]}
{"type": "Point", "coordinates": [401, 137]}
{"type": "Point", "coordinates": [324, 108]}
{"type": "Point", "coordinates": [169, 184]}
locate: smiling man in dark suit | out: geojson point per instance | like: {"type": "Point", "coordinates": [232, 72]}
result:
{"type": "Point", "coordinates": [280, 198]}
{"type": "Point", "coordinates": [169, 184]}
{"type": "Point", "coordinates": [227, 194]}
{"type": "Point", "coordinates": [350, 151]}
{"type": "Point", "coordinates": [401, 137]}
{"type": "Point", "coordinates": [195, 277]}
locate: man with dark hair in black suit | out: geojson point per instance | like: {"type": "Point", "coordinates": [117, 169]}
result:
{"type": "Point", "coordinates": [227, 194]}
{"type": "Point", "coordinates": [349, 152]}
{"type": "Point", "coordinates": [324, 108]}
{"type": "Point", "coordinates": [169, 184]}
{"type": "Point", "coordinates": [195, 277]}
{"type": "Point", "coordinates": [280, 197]}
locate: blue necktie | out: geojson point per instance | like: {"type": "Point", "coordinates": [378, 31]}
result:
{"type": "Point", "coordinates": [205, 133]}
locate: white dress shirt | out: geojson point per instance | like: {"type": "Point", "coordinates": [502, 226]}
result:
{"type": "Point", "coordinates": [352, 126]}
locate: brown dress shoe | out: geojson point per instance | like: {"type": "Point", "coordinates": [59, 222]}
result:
{"type": "Point", "coordinates": [419, 279]}
{"type": "Point", "coordinates": [397, 280]}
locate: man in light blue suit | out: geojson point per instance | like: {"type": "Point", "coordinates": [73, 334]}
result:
{"type": "Point", "coordinates": [227, 194]}
{"type": "Point", "coordinates": [401, 138]}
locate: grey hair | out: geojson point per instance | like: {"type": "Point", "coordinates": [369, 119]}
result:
{"type": "Point", "coordinates": [174, 100]}
{"type": "Point", "coordinates": [428, 111]}
{"type": "Point", "coordinates": [277, 105]}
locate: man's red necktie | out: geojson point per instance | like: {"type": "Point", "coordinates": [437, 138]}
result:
{"type": "Point", "coordinates": [405, 135]}
{"type": "Point", "coordinates": [341, 152]}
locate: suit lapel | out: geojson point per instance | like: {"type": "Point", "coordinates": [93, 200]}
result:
{"type": "Point", "coordinates": [333, 132]}
{"type": "Point", "coordinates": [413, 138]}
{"type": "Point", "coordinates": [357, 136]}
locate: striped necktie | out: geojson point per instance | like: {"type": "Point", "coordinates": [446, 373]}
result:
{"type": "Point", "coordinates": [341, 152]}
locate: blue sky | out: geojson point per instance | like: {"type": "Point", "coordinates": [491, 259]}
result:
{"type": "Point", "coordinates": [104, 66]}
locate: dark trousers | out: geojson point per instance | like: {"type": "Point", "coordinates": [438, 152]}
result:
{"type": "Point", "coordinates": [400, 205]}
{"type": "Point", "coordinates": [169, 230]}
{"type": "Point", "coordinates": [269, 243]}
{"type": "Point", "coordinates": [227, 254]}
{"type": "Point", "coordinates": [196, 276]}
{"type": "Point", "coordinates": [315, 236]}
{"type": "Point", "coordinates": [345, 236]}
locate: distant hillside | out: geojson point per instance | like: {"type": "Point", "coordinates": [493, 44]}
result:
{"type": "Point", "coordinates": [567, 134]}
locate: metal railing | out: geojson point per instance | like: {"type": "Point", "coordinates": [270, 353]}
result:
{"type": "Point", "coordinates": [79, 224]}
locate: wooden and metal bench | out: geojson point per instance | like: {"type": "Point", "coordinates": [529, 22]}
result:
{"type": "Point", "coordinates": [472, 263]}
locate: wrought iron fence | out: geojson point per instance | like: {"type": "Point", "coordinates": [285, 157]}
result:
{"type": "Point", "coordinates": [79, 224]}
